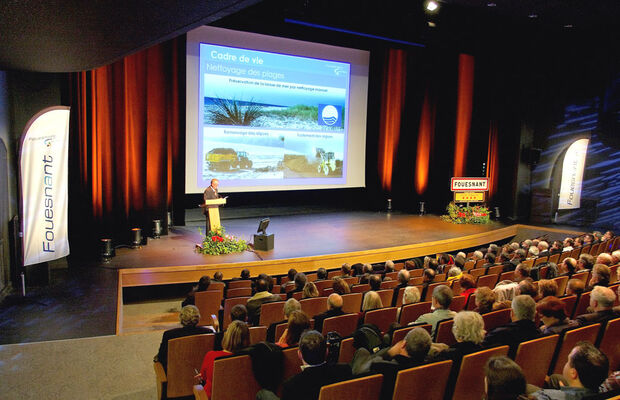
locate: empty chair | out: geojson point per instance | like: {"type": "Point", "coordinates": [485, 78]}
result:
{"type": "Point", "coordinates": [386, 296]}
{"type": "Point", "coordinates": [227, 371]}
{"type": "Point", "coordinates": [271, 312]}
{"type": "Point", "coordinates": [411, 312]}
{"type": "Point", "coordinates": [239, 284]}
{"type": "Point", "coordinates": [398, 266]}
{"type": "Point", "coordinates": [480, 263]}
{"type": "Point", "coordinates": [470, 381]}
{"type": "Point", "coordinates": [382, 318]}
{"type": "Point", "coordinates": [569, 340]}
{"type": "Point", "coordinates": [352, 302]}
{"type": "Point", "coordinates": [346, 350]}
{"type": "Point", "coordinates": [609, 343]}
{"type": "Point", "coordinates": [367, 388]}
{"type": "Point", "coordinates": [561, 281]}
{"type": "Point", "coordinates": [313, 306]}
{"type": "Point", "coordinates": [535, 356]}
{"type": "Point", "coordinates": [239, 292]}
{"type": "Point", "coordinates": [280, 328]}
{"type": "Point", "coordinates": [258, 334]}
{"type": "Point", "coordinates": [184, 355]}
{"type": "Point", "coordinates": [444, 333]}
{"type": "Point", "coordinates": [496, 318]}
{"type": "Point", "coordinates": [542, 274]}
{"type": "Point", "coordinates": [228, 305]}
{"type": "Point", "coordinates": [345, 325]}
{"type": "Point", "coordinates": [209, 304]}
{"type": "Point", "coordinates": [413, 383]}
{"type": "Point", "coordinates": [458, 303]}
{"type": "Point", "coordinates": [575, 253]}
{"type": "Point", "coordinates": [399, 297]}
{"type": "Point", "coordinates": [487, 280]}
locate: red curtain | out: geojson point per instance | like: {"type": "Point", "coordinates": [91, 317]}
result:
{"type": "Point", "coordinates": [392, 102]}
{"type": "Point", "coordinates": [426, 133]}
{"type": "Point", "coordinates": [463, 112]}
{"type": "Point", "coordinates": [127, 142]}
{"type": "Point", "coordinates": [492, 160]}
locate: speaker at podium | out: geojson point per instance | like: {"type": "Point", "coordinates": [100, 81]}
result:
{"type": "Point", "coordinates": [263, 241]}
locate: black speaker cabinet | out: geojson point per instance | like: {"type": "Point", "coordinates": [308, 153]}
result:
{"type": "Point", "coordinates": [263, 242]}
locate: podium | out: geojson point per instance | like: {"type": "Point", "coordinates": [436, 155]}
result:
{"type": "Point", "coordinates": [213, 212]}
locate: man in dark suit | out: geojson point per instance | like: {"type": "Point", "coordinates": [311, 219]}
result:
{"type": "Point", "coordinates": [602, 302]}
{"type": "Point", "coordinates": [334, 309]}
{"type": "Point", "coordinates": [210, 193]}
{"type": "Point", "coordinates": [315, 371]}
{"type": "Point", "coordinates": [261, 297]}
{"type": "Point", "coordinates": [189, 318]}
{"type": "Point", "coordinates": [403, 281]}
{"type": "Point", "coordinates": [521, 329]}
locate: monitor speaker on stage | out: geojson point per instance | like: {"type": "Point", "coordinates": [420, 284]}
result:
{"type": "Point", "coordinates": [263, 242]}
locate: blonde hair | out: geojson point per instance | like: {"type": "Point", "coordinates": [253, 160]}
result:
{"type": "Point", "coordinates": [372, 301]}
{"type": "Point", "coordinates": [468, 327]}
{"type": "Point", "coordinates": [411, 295]}
{"type": "Point", "coordinates": [189, 315]}
{"type": "Point", "coordinates": [310, 290]}
{"type": "Point", "coordinates": [236, 337]}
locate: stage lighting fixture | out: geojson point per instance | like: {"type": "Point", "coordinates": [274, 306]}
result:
{"type": "Point", "coordinates": [389, 205]}
{"type": "Point", "coordinates": [262, 226]}
{"type": "Point", "coordinates": [169, 220]}
{"type": "Point", "coordinates": [156, 228]}
{"type": "Point", "coordinates": [432, 6]}
{"type": "Point", "coordinates": [107, 251]}
{"type": "Point", "coordinates": [422, 210]}
{"type": "Point", "coordinates": [497, 213]}
{"type": "Point", "coordinates": [136, 238]}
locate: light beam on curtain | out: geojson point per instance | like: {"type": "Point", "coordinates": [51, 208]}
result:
{"type": "Point", "coordinates": [392, 102]}
{"type": "Point", "coordinates": [463, 112]}
{"type": "Point", "coordinates": [492, 160]}
{"type": "Point", "coordinates": [426, 133]}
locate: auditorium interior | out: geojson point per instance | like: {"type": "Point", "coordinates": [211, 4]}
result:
{"type": "Point", "coordinates": [502, 91]}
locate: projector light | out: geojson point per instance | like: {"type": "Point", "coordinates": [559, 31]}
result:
{"type": "Point", "coordinates": [432, 6]}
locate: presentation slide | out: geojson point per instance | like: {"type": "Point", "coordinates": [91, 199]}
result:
{"type": "Point", "coordinates": [272, 120]}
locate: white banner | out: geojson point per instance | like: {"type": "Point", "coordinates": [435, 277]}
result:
{"type": "Point", "coordinates": [572, 175]}
{"type": "Point", "coordinates": [44, 182]}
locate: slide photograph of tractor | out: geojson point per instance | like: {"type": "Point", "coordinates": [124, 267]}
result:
{"type": "Point", "coordinates": [224, 159]}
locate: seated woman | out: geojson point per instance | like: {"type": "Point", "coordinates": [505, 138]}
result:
{"type": "Point", "coordinates": [298, 323]}
{"type": "Point", "coordinates": [552, 313]}
{"type": "Point", "coordinates": [504, 380]}
{"type": "Point", "coordinates": [485, 298]}
{"type": "Point", "coordinates": [341, 286]}
{"type": "Point", "coordinates": [372, 301]}
{"type": "Point", "coordinates": [468, 285]}
{"type": "Point", "coordinates": [411, 295]}
{"type": "Point", "coordinates": [236, 338]}
{"type": "Point", "coordinates": [310, 291]}
{"type": "Point", "coordinates": [189, 318]}
{"type": "Point", "coordinates": [201, 286]}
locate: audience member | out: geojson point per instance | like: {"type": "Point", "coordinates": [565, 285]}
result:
{"type": "Point", "coordinates": [411, 295]}
{"type": "Point", "coordinates": [556, 247]}
{"type": "Point", "coordinates": [546, 287]}
{"type": "Point", "coordinates": [607, 236]}
{"type": "Point", "coordinates": [245, 275]}
{"type": "Point", "coordinates": [298, 323]}
{"type": "Point", "coordinates": [321, 274]}
{"type": "Point", "coordinates": [300, 281]}
{"type": "Point", "coordinates": [218, 277]}
{"type": "Point", "coordinates": [345, 271]}
{"type": "Point", "coordinates": [189, 318]}
{"type": "Point", "coordinates": [316, 373]}
{"type": "Point", "coordinates": [484, 300]}
{"type": "Point", "coordinates": [201, 286]}
{"type": "Point", "coordinates": [403, 281]}
{"type": "Point", "coordinates": [334, 309]}
{"type": "Point", "coordinates": [290, 306]}
{"type": "Point", "coordinates": [468, 286]}
{"type": "Point", "coordinates": [310, 291]}
{"type": "Point", "coordinates": [567, 245]}
{"type": "Point", "coordinates": [442, 297]}
{"type": "Point", "coordinates": [261, 297]}
{"type": "Point", "coordinates": [585, 369]}
{"type": "Point", "coordinates": [504, 380]}
{"type": "Point", "coordinates": [521, 329]}
{"type": "Point", "coordinates": [267, 367]}
{"type": "Point", "coordinates": [236, 338]}
{"type": "Point", "coordinates": [585, 263]}
{"type": "Point", "coordinates": [388, 266]}
{"type": "Point", "coordinates": [604, 258]}
{"type": "Point", "coordinates": [238, 313]}
{"type": "Point", "coordinates": [290, 275]}
{"type": "Point", "coordinates": [427, 278]}
{"type": "Point", "coordinates": [375, 282]}
{"type": "Point", "coordinates": [454, 273]}
{"type": "Point", "coordinates": [615, 257]}
{"type": "Point", "coordinates": [341, 286]}
{"type": "Point", "coordinates": [600, 276]}
{"type": "Point", "coordinates": [552, 312]}
{"type": "Point", "coordinates": [372, 301]}
{"type": "Point", "coordinates": [568, 267]}
{"type": "Point", "coordinates": [575, 287]}
{"type": "Point", "coordinates": [601, 302]}
{"type": "Point", "coordinates": [543, 249]}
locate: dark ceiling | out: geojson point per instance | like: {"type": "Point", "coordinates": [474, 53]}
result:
{"type": "Point", "coordinates": [72, 35]}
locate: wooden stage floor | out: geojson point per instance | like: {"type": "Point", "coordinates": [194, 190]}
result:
{"type": "Point", "coordinates": [305, 242]}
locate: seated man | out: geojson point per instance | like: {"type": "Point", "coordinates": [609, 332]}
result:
{"type": "Point", "coordinates": [255, 302]}
{"type": "Point", "coordinates": [345, 271]}
{"type": "Point", "coordinates": [600, 276]}
{"type": "Point", "coordinates": [315, 372]}
{"type": "Point", "coordinates": [521, 329]}
{"type": "Point", "coordinates": [427, 278]}
{"type": "Point", "coordinates": [585, 263]}
{"type": "Point", "coordinates": [238, 313]}
{"type": "Point", "coordinates": [604, 258]}
{"type": "Point", "coordinates": [189, 318]}
{"type": "Point", "coordinates": [403, 281]}
{"type": "Point", "coordinates": [321, 274]}
{"type": "Point", "coordinates": [334, 309]}
{"type": "Point", "coordinates": [602, 302]}
{"type": "Point", "coordinates": [442, 297]}
{"type": "Point", "coordinates": [584, 371]}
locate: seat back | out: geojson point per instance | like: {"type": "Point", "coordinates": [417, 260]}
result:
{"type": "Point", "coordinates": [554, 258]}
{"type": "Point", "coordinates": [495, 269]}
{"type": "Point", "coordinates": [386, 297]}
{"type": "Point", "coordinates": [429, 290]}
{"type": "Point", "coordinates": [469, 265]}
{"type": "Point", "coordinates": [228, 370]}
{"type": "Point", "coordinates": [528, 262]}
{"type": "Point", "coordinates": [208, 304]}
{"type": "Point", "coordinates": [561, 281]}
{"type": "Point", "coordinates": [569, 304]}
{"type": "Point", "coordinates": [480, 263]}
{"type": "Point", "coordinates": [456, 287]}
{"type": "Point", "coordinates": [311, 277]}
{"type": "Point", "coordinates": [313, 306]}
{"type": "Point", "coordinates": [575, 253]}
{"type": "Point", "coordinates": [399, 297]}
{"type": "Point", "coordinates": [353, 280]}
{"type": "Point", "coordinates": [444, 333]}
{"type": "Point", "coordinates": [487, 280]}
{"type": "Point", "coordinates": [291, 362]}
{"type": "Point", "coordinates": [258, 334]}
{"type": "Point", "coordinates": [613, 273]}
{"type": "Point", "coordinates": [507, 276]}
{"type": "Point", "coordinates": [571, 338]}
{"type": "Point", "coordinates": [414, 273]}
{"type": "Point", "coordinates": [458, 303]}
{"type": "Point", "coordinates": [470, 381]}
{"type": "Point", "coordinates": [418, 280]}
{"type": "Point", "coordinates": [333, 274]}
{"type": "Point", "coordinates": [228, 305]}
{"type": "Point", "coordinates": [582, 304]}
{"type": "Point", "coordinates": [411, 312]}
{"type": "Point", "coordinates": [389, 284]}
{"type": "Point", "coordinates": [346, 350]}
{"type": "Point", "coordinates": [413, 383]}
{"type": "Point", "coordinates": [393, 275]}
{"type": "Point", "coordinates": [366, 388]}
{"type": "Point", "coordinates": [541, 260]}
{"type": "Point", "coordinates": [609, 344]}
{"type": "Point", "coordinates": [564, 256]}
{"type": "Point", "coordinates": [271, 312]}
{"type": "Point", "coordinates": [184, 355]}
{"type": "Point", "coordinates": [476, 272]}
{"type": "Point", "coordinates": [352, 302]}
{"type": "Point", "coordinates": [361, 288]}
{"type": "Point", "coordinates": [534, 358]}
{"type": "Point", "coordinates": [239, 284]}
{"type": "Point", "coordinates": [239, 292]}
{"type": "Point", "coordinates": [440, 278]}
{"type": "Point", "coordinates": [322, 285]}
{"type": "Point", "coordinates": [400, 334]}
{"type": "Point", "coordinates": [345, 325]}
{"type": "Point", "coordinates": [496, 318]}
{"type": "Point", "coordinates": [582, 276]}
{"type": "Point", "coordinates": [382, 318]}
{"type": "Point", "coordinates": [280, 328]}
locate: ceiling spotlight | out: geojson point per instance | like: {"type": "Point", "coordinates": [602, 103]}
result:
{"type": "Point", "coordinates": [491, 4]}
{"type": "Point", "coordinates": [431, 24]}
{"type": "Point", "coordinates": [432, 6]}
{"type": "Point", "coordinates": [568, 26]}
{"type": "Point", "coordinates": [532, 16]}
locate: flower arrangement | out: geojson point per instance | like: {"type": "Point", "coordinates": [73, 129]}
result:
{"type": "Point", "coordinates": [467, 215]}
{"type": "Point", "coordinates": [218, 242]}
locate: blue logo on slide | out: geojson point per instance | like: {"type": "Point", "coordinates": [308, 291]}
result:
{"type": "Point", "coordinates": [329, 115]}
